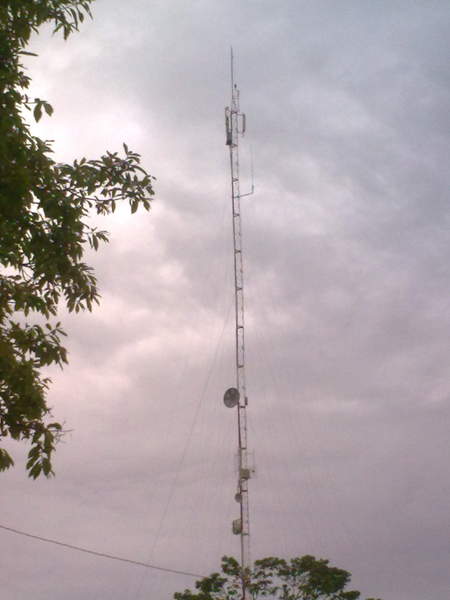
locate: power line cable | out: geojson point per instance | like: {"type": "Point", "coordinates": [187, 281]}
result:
{"type": "Point", "coordinates": [100, 554]}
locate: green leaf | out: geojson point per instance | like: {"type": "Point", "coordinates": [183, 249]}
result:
{"type": "Point", "coordinates": [35, 471]}
{"type": "Point", "coordinates": [37, 112]}
{"type": "Point", "coordinates": [46, 467]}
{"type": "Point", "coordinates": [48, 108]}
{"type": "Point", "coordinates": [5, 460]}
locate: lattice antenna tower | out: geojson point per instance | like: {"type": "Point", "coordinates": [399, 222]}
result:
{"type": "Point", "coordinates": [237, 396]}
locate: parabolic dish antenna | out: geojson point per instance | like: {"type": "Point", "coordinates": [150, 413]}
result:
{"type": "Point", "coordinates": [231, 397]}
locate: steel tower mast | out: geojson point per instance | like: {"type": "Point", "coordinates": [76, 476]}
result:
{"type": "Point", "coordinates": [235, 128]}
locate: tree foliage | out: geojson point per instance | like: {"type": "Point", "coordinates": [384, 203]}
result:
{"type": "Point", "coordinates": [44, 231]}
{"type": "Point", "coordinates": [303, 578]}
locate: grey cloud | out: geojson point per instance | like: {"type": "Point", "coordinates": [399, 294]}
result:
{"type": "Point", "coordinates": [346, 290]}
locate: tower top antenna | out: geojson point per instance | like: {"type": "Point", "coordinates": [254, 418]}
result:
{"type": "Point", "coordinates": [232, 69]}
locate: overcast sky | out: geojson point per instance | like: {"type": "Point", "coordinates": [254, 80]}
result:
{"type": "Point", "coordinates": [347, 297]}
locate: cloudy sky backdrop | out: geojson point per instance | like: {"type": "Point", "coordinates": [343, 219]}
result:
{"type": "Point", "coordinates": [347, 296]}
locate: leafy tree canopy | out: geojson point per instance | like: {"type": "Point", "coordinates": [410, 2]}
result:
{"type": "Point", "coordinates": [303, 578]}
{"type": "Point", "coordinates": [44, 231]}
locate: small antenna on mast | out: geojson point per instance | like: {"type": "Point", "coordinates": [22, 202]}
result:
{"type": "Point", "coordinates": [252, 170]}
{"type": "Point", "coordinates": [232, 69]}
